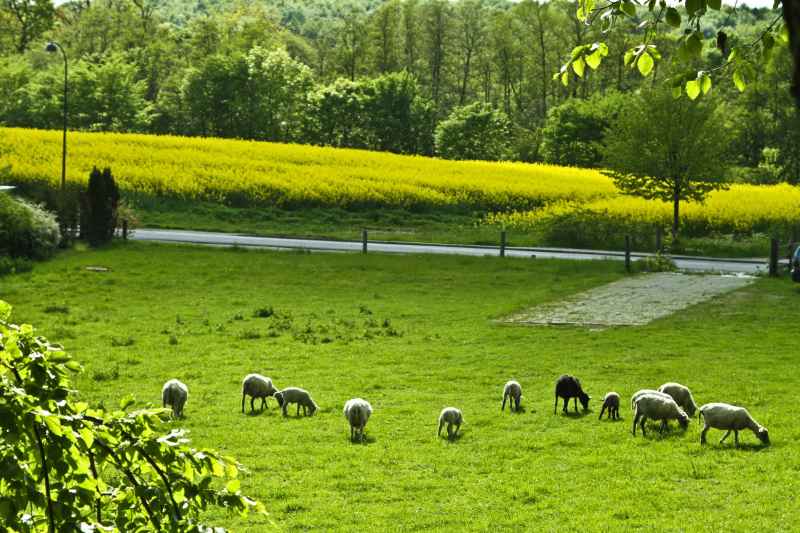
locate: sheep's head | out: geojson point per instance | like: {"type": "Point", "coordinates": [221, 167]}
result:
{"type": "Point", "coordinates": [683, 420]}
{"type": "Point", "coordinates": [763, 435]}
{"type": "Point", "coordinates": [279, 397]}
{"type": "Point", "coordinates": [313, 408]}
{"type": "Point", "coordinates": [584, 398]}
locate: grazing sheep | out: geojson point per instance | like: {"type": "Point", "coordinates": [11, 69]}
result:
{"type": "Point", "coordinates": [296, 395]}
{"type": "Point", "coordinates": [732, 418]}
{"type": "Point", "coordinates": [174, 393]}
{"type": "Point", "coordinates": [658, 407]}
{"type": "Point", "coordinates": [357, 411]}
{"type": "Point", "coordinates": [512, 391]}
{"type": "Point", "coordinates": [643, 392]}
{"type": "Point", "coordinates": [610, 402]}
{"type": "Point", "coordinates": [257, 386]}
{"type": "Point", "coordinates": [452, 417]}
{"type": "Point", "coordinates": [570, 387]}
{"type": "Point", "coordinates": [682, 396]}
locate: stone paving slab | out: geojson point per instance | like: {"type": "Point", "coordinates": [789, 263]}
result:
{"type": "Point", "coordinates": [633, 301]}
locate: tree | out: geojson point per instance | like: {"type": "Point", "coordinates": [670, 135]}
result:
{"type": "Point", "coordinates": [30, 19]}
{"type": "Point", "coordinates": [102, 199]}
{"type": "Point", "coordinates": [67, 466]}
{"type": "Point", "coordinates": [573, 132]}
{"type": "Point", "coordinates": [667, 149]}
{"type": "Point", "coordinates": [475, 131]}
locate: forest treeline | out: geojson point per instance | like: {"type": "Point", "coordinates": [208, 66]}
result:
{"type": "Point", "coordinates": [467, 79]}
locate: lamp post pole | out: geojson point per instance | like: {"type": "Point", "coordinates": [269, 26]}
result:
{"type": "Point", "coordinates": [52, 47]}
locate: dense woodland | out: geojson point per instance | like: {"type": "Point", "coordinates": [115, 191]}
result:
{"type": "Point", "coordinates": [464, 79]}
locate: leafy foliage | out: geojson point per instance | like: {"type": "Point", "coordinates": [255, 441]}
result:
{"type": "Point", "coordinates": [102, 199]}
{"type": "Point", "coordinates": [26, 229]}
{"type": "Point", "coordinates": [473, 132]}
{"type": "Point", "coordinates": [666, 149]}
{"type": "Point", "coordinates": [65, 466]}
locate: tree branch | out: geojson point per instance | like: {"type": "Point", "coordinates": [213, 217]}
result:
{"type": "Point", "coordinates": [50, 515]}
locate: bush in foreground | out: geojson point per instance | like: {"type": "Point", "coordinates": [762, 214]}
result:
{"type": "Point", "coordinates": [65, 466]}
{"type": "Point", "coordinates": [26, 230]}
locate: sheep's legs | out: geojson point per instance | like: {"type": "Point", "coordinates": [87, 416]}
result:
{"type": "Point", "coordinates": [264, 404]}
{"type": "Point", "coordinates": [252, 403]}
{"type": "Point", "coordinates": [725, 436]}
{"type": "Point", "coordinates": [555, 407]}
{"type": "Point", "coordinates": [441, 424]}
{"type": "Point", "coordinates": [566, 405]}
{"type": "Point", "coordinates": [736, 437]}
{"type": "Point", "coordinates": [298, 410]}
{"type": "Point", "coordinates": [635, 421]}
{"type": "Point", "coordinates": [575, 400]}
{"type": "Point", "coordinates": [603, 410]}
{"type": "Point", "coordinates": [243, 398]}
{"type": "Point", "coordinates": [644, 419]}
{"type": "Point", "coordinates": [703, 434]}
{"type": "Point", "coordinates": [503, 407]}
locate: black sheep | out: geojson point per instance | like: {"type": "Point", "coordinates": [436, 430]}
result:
{"type": "Point", "coordinates": [570, 387]}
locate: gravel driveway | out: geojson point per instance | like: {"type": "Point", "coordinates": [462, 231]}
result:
{"type": "Point", "coordinates": [632, 301]}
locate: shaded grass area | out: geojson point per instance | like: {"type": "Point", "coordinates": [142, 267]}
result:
{"type": "Point", "coordinates": [532, 470]}
{"type": "Point", "coordinates": [394, 224]}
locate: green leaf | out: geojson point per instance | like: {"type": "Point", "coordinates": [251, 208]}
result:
{"type": "Point", "coordinates": [87, 436]}
{"type": "Point", "coordinates": [126, 402]}
{"type": "Point", "coordinates": [673, 17]}
{"type": "Point", "coordinates": [73, 365]}
{"type": "Point", "coordinates": [629, 8]}
{"type": "Point", "coordinates": [53, 425]}
{"type": "Point", "coordinates": [693, 89]}
{"type": "Point", "coordinates": [738, 80]}
{"type": "Point", "coordinates": [716, 5]}
{"type": "Point", "coordinates": [645, 64]}
{"type": "Point", "coordinates": [5, 310]}
{"type": "Point", "coordinates": [565, 79]}
{"type": "Point", "coordinates": [693, 6]}
{"type": "Point", "coordinates": [694, 44]}
{"type": "Point", "coordinates": [767, 43]}
{"type": "Point", "coordinates": [705, 83]}
{"type": "Point", "coordinates": [593, 60]}
{"type": "Point", "coordinates": [579, 65]}
{"type": "Point", "coordinates": [629, 55]}
{"type": "Point", "coordinates": [233, 486]}
{"type": "Point", "coordinates": [677, 91]}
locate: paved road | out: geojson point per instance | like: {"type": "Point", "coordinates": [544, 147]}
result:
{"type": "Point", "coordinates": [695, 264]}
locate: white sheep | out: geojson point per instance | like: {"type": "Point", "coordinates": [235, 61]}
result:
{"type": "Point", "coordinates": [682, 396]}
{"type": "Point", "coordinates": [452, 417]}
{"type": "Point", "coordinates": [732, 418]}
{"type": "Point", "coordinates": [658, 407]}
{"type": "Point", "coordinates": [296, 395]}
{"type": "Point", "coordinates": [257, 386]}
{"type": "Point", "coordinates": [174, 393]}
{"type": "Point", "coordinates": [643, 392]}
{"type": "Point", "coordinates": [512, 391]}
{"type": "Point", "coordinates": [357, 411]}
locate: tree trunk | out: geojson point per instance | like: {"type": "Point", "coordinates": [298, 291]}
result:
{"type": "Point", "coordinates": [676, 205]}
{"type": "Point", "coordinates": [791, 15]}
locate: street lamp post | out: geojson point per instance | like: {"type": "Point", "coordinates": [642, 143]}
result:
{"type": "Point", "coordinates": [53, 47]}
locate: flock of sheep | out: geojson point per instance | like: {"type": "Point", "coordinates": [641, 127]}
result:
{"type": "Point", "coordinates": [672, 401]}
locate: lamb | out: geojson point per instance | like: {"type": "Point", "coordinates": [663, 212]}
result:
{"type": "Point", "coordinates": [570, 387]}
{"type": "Point", "coordinates": [512, 391]}
{"type": "Point", "coordinates": [452, 417]}
{"type": "Point", "coordinates": [610, 402]}
{"type": "Point", "coordinates": [357, 411]}
{"type": "Point", "coordinates": [257, 386]}
{"type": "Point", "coordinates": [658, 407]}
{"type": "Point", "coordinates": [682, 396]}
{"type": "Point", "coordinates": [296, 395]}
{"type": "Point", "coordinates": [174, 393]}
{"type": "Point", "coordinates": [732, 418]}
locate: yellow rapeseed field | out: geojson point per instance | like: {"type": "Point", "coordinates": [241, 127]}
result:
{"type": "Point", "coordinates": [739, 209]}
{"type": "Point", "coordinates": [258, 173]}
{"type": "Point", "coordinates": [514, 195]}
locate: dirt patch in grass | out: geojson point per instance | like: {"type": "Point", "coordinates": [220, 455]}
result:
{"type": "Point", "coordinates": [633, 301]}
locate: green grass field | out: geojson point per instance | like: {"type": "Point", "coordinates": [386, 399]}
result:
{"type": "Point", "coordinates": [412, 335]}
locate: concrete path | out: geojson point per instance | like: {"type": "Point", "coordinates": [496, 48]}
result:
{"type": "Point", "coordinates": [694, 264]}
{"type": "Point", "coordinates": [632, 301]}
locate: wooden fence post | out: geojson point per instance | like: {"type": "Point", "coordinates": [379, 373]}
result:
{"type": "Point", "coordinates": [627, 253]}
{"type": "Point", "coordinates": [364, 241]}
{"type": "Point", "coordinates": [773, 257]}
{"type": "Point", "coordinates": [124, 230]}
{"type": "Point", "coordinates": [503, 243]}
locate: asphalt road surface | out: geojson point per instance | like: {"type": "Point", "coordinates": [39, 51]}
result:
{"type": "Point", "coordinates": [692, 264]}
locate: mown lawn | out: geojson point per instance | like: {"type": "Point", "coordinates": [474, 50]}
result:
{"type": "Point", "coordinates": [186, 312]}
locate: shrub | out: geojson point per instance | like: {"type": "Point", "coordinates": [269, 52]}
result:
{"type": "Point", "coordinates": [14, 265]}
{"type": "Point", "coordinates": [102, 198]}
{"type": "Point", "coordinates": [26, 230]}
{"type": "Point", "coordinates": [475, 132]}
{"type": "Point", "coordinates": [66, 466]}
